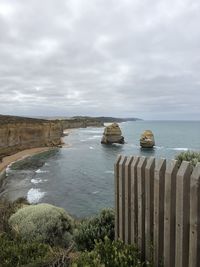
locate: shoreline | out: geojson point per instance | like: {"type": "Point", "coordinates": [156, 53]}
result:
{"type": "Point", "coordinates": [6, 161]}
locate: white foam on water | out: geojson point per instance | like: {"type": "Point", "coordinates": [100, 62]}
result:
{"type": "Point", "coordinates": [95, 137]}
{"type": "Point", "coordinates": [159, 147]}
{"type": "Point", "coordinates": [110, 172]}
{"type": "Point", "coordinates": [34, 195]}
{"type": "Point", "coordinates": [83, 140]}
{"type": "Point", "coordinates": [36, 181]}
{"type": "Point", "coordinates": [95, 192]}
{"type": "Point", "coordinates": [93, 131]}
{"type": "Point", "coordinates": [91, 147]}
{"type": "Point", "coordinates": [179, 148]}
{"type": "Point", "coordinates": [41, 171]}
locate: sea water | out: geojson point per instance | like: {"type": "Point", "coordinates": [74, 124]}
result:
{"type": "Point", "coordinates": [80, 177]}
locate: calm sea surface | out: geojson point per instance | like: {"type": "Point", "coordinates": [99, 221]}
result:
{"type": "Point", "coordinates": [80, 177]}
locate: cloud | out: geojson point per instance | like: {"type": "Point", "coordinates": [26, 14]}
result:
{"type": "Point", "coordinates": [119, 58]}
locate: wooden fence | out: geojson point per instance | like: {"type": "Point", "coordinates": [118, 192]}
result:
{"type": "Point", "coordinates": [158, 208]}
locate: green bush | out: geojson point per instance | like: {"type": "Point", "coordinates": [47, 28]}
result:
{"type": "Point", "coordinates": [7, 209]}
{"type": "Point", "coordinates": [43, 223]}
{"type": "Point", "coordinates": [95, 228]}
{"type": "Point", "coordinates": [18, 253]}
{"type": "Point", "coordinates": [109, 253]}
{"type": "Point", "coordinates": [191, 156]}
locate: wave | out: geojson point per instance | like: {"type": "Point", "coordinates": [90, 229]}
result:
{"type": "Point", "coordinates": [179, 148]}
{"type": "Point", "coordinates": [110, 172]}
{"type": "Point", "coordinates": [93, 131]}
{"type": "Point", "coordinates": [159, 147]}
{"type": "Point", "coordinates": [91, 147]}
{"type": "Point", "coordinates": [34, 195]}
{"type": "Point", "coordinates": [95, 192]}
{"type": "Point", "coordinates": [41, 171]}
{"type": "Point", "coordinates": [95, 137]}
{"type": "Point", "coordinates": [36, 181]}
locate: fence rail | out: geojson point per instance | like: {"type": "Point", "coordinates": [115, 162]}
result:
{"type": "Point", "coordinates": [158, 208]}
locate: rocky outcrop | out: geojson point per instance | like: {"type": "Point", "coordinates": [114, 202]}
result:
{"type": "Point", "coordinates": [112, 134]}
{"type": "Point", "coordinates": [147, 139]}
{"type": "Point", "coordinates": [18, 133]}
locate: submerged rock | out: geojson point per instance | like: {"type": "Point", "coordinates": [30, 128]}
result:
{"type": "Point", "coordinates": [147, 139]}
{"type": "Point", "coordinates": [112, 134]}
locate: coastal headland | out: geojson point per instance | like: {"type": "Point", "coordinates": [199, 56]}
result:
{"type": "Point", "coordinates": [22, 136]}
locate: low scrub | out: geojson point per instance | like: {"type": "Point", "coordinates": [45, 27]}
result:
{"type": "Point", "coordinates": [191, 156]}
{"type": "Point", "coordinates": [15, 252]}
{"type": "Point", "coordinates": [95, 228]}
{"type": "Point", "coordinates": [43, 223]}
{"type": "Point", "coordinates": [108, 253]}
{"type": "Point", "coordinates": [7, 209]}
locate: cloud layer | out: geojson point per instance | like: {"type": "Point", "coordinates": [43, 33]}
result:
{"type": "Point", "coordinates": [100, 57]}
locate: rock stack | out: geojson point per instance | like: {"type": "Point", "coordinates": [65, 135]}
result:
{"type": "Point", "coordinates": [147, 139]}
{"type": "Point", "coordinates": [112, 134]}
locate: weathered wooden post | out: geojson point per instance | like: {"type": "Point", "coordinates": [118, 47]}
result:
{"type": "Point", "coordinates": [182, 215]}
{"type": "Point", "coordinates": [134, 201]}
{"type": "Point", "coordinates": [149, 206]}
{"type": "Point", "coordinates": [159, 184]}
{"type": "Point", "coordinates": [194, 243]}
{"type": "Point", "coordinates": [128, 200]}
{"type": "Point", "coordinates": [116, 175]}
{"type": "Point", "coordinates": [141, 204]}
{"type": "Point", "coordinates": [122, 198]}
{"type": "Point", "coordinates": [170, 213]}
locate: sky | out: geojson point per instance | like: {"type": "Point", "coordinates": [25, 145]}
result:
{"type": "Point", "coordinates": [123, 58]}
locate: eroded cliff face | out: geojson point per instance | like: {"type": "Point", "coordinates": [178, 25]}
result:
{"type": "Point", "coordinates": [80, 123]}
{"type": "Point", "coordinates": [21, 133]}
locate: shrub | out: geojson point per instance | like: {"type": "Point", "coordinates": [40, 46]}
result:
{"type": "Point", "coordinates": [43, 223]}
{"type": "Point", "coordinates": [191, 156]}
{"type": "Point", "coordinates": [95, 228]}
{"type": "Point", "coordinates": [109, 253]}
{"type": "Point", "coordinates": [7, 209]}
{"type": "Point", "coordinates": [18, 253]}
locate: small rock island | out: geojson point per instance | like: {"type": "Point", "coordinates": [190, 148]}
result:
{"type": "Point", "coordinates": [147, 139]}
{"type": "Point", "coordinates": [112, 134]}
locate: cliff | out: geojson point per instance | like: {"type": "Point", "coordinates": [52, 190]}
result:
{"type": "Point", "coordinates": [18, 133]}
{"type": "Point", "coordinates": [80, 123]}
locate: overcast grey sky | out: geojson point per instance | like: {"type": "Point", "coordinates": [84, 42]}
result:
{"type": "Point", "coordinates": [136, 58]}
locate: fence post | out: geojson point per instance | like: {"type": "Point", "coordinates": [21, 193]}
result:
{"type": "Point", "coordinates": [141, 204]}
{"type": "Point", "coordinates": [194, 249]}
{"type": "Point", "coordinates": [149, 207]}
{"type": "Point", "coordinates": [122, 198]}
{"type": "Point", "coordinates": [134, 201]}
{"type": "Point", "coordinates": [182, 215]}
{"type": "Point", "coordinates": [128, 200]}
{"type": "Point", "coordinates": [159, 178]}
{"type": "Point", "coordinates": [170, 213]}
{"type": "Point", "coordinates": [116, 174]}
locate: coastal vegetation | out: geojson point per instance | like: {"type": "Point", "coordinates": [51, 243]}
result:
{"type": "Point", "coordinates": [45, 236]}
{"type": "Point", "coordinates": [190, 156]}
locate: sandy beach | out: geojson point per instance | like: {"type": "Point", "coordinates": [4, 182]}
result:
{"type": "Point", "coordinates": [22, 154]}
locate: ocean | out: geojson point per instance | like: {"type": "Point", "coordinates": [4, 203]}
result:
{"type": "Point", "coordinates": [79, 177]}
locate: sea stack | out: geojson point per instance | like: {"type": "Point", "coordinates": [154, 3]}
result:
{"type": "Point", "coordinates": [112, 134]}
{"type": "Point", "coordinates": [147, 139]}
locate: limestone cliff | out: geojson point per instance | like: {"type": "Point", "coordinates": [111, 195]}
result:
{"type": "Point", "coordinates": [80, 123]}
{"type": "Point", "coordinates": [17, 133]}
